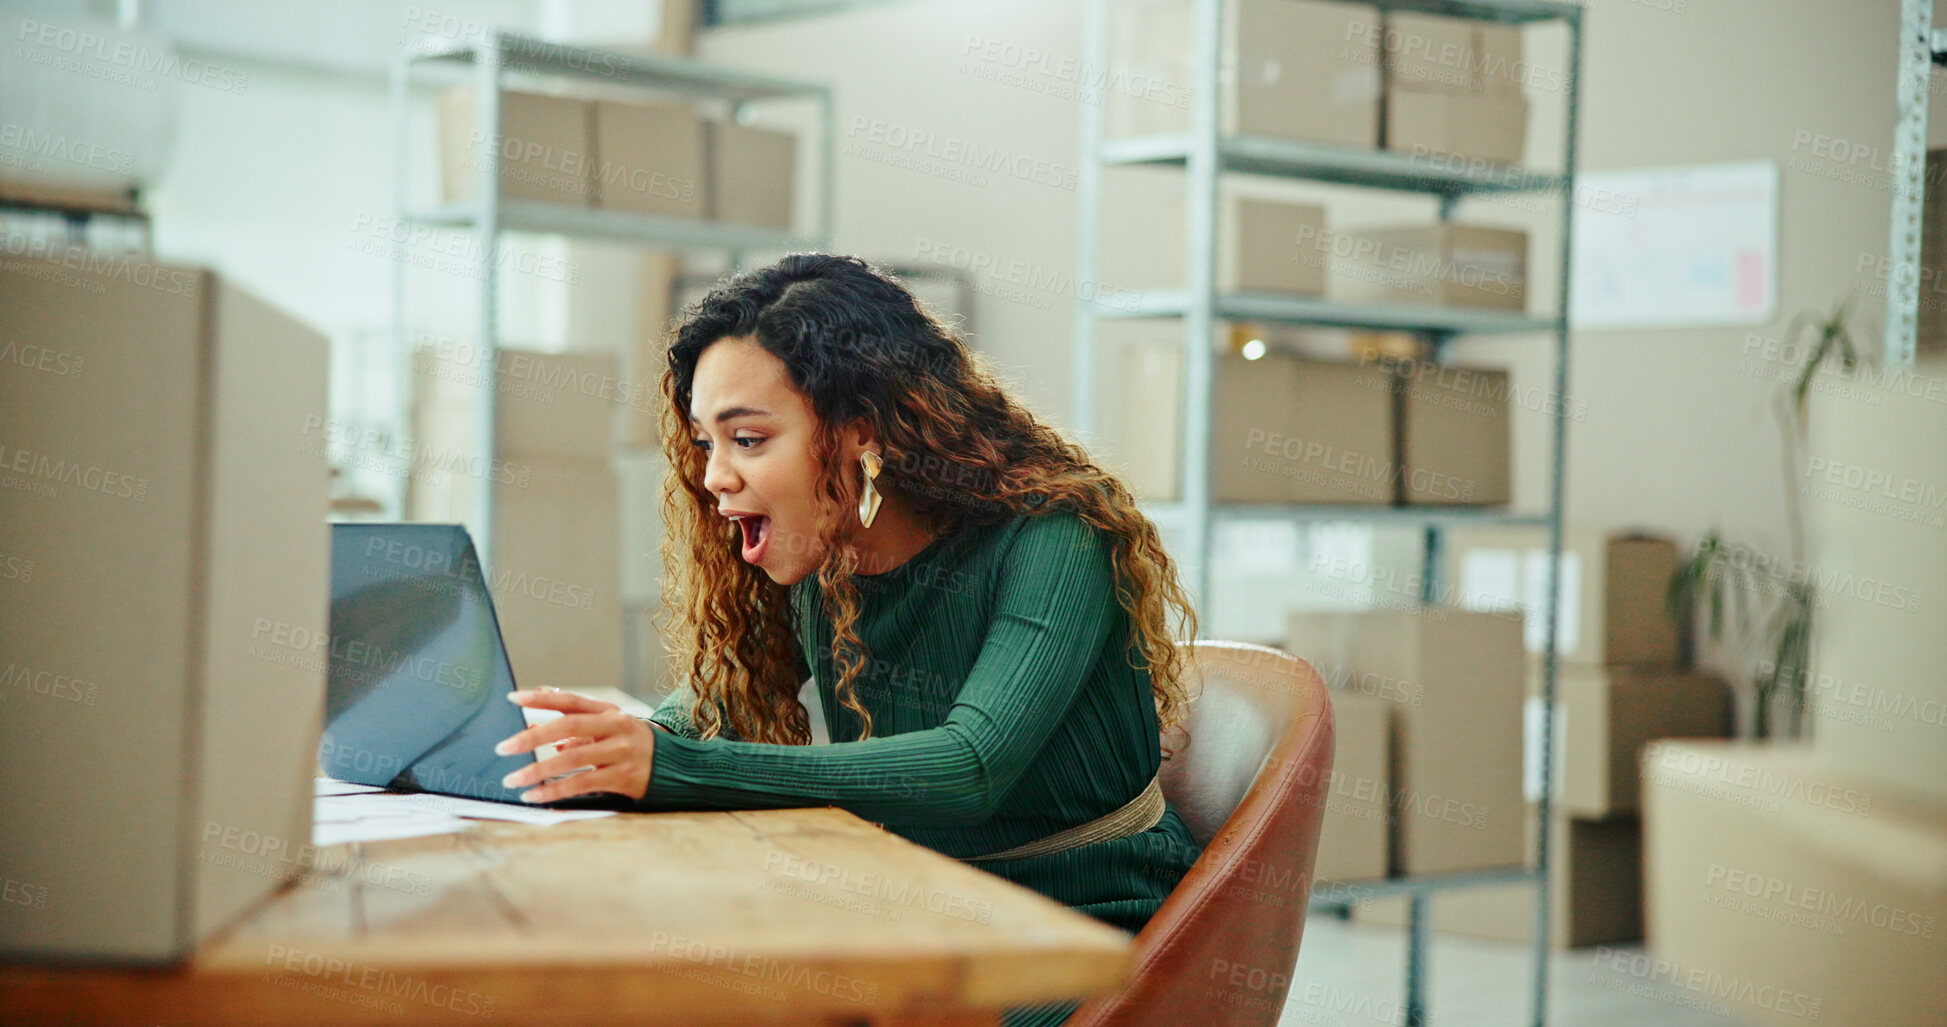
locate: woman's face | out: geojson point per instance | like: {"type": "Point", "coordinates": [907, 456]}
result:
{"type": "Point", "coordinates": [756, 432]}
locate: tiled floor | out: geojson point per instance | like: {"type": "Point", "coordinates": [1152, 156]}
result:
{"type": "Point", "coordinates": [1352, 975]}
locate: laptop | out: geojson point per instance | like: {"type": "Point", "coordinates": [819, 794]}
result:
{"type": "Point", "coordinates": [417, 673]}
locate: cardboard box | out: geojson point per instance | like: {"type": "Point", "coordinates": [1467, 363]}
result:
{"type": "Point", "coordinates": [1595, 892]}
{"type": "Point", "coordinates": [1484, 126]}
{"type": "Point", "coordinates": [1788, 893]}
{"type": "Point", "coordinates": [647, 356]}
{"type": "Point", "coordinates": [1605, 716]}
{"type": "Point", "coordinates": [1145, 414]}
{"type": "Point", "coordinates": [650, 159]}
{"type": "Point", "coordinates": [1454, 680]}
{"type": "Point", "coordinates": [1292, 68]}
{"type": "Point", "coordinates": [1433, 265]}
{"type": "Point", "coordinates": [547, 406]}
{"type": "Point", "coordinates": [1283, 429]}
{"type": "Point", "coordinates": [1262, 246]}
{"type": "Point", "coordinates": [753, 175]}
{"type": "Point", "coordinates": [1455, 443]}
{"type": "Point", "coordinates": [1612, 596]}
{"type": "Point", "coordinates": [1435, 53]}
{"type": "Point", "coordinates": [164, 582]}
{"type": "Point", "coordinates": [556, 578]}
{"type": "Point", "coordinates": [546, 144]}
{"type": "Point", "coordinates": [1353, 842]}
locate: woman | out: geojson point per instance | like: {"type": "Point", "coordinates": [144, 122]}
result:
{"type": "Point", "coordinates": [852, 497]}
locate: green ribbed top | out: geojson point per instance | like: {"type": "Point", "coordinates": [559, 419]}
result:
{"type": "Point", "coordinates": [1004, 709]}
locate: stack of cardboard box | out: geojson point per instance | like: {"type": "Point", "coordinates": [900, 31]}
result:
{"type": "Point", "coordinates": [1619, 688]}
{"type": "Point", "coordinates": [1291, 429]}
{"type": "Point", "coordinates": [1443, 265]}
{"type": "Point", "coordinates": [1294, 69]}
{"type": "Point", "coordinates": [645, 158]}
{"type": "Point", "coordinates": [1427, 778]}
{"type": "Point", "coordinates": [554, 567]}
{"type": "Point", "coordinates": [1453, 88]}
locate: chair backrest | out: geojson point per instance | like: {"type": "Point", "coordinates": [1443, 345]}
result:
{"type": "Point", "coordinates": [1248, 777]}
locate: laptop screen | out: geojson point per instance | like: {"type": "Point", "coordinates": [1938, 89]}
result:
{"type": "Point", "coordinates": [417, 672]}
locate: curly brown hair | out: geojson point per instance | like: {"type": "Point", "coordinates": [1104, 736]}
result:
{"type": "Point", "coordinates": [859, 345]}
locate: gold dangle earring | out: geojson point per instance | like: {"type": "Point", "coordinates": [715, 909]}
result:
{"type": "Point", "coordinates": [869, 497]}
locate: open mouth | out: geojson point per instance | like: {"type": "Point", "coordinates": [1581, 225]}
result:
{"type": "Point", "coordinates": [757, 536]}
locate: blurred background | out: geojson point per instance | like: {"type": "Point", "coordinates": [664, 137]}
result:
{"type": "Point", "coordinates": [1391, 313]}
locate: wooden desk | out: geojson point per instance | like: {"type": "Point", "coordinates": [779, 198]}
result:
{"type": "Point", "coordinates": [808, 916]}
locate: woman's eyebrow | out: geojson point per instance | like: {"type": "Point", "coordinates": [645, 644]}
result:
{"type": "Point", "coordinates": [730, 412]}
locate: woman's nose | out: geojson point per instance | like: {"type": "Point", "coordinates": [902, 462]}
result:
{"type": "Point", "coordinates": [718, 477]}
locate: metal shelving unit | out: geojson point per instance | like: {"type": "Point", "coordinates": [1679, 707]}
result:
{"type": "Point", "coordinates": [1205, 154]}
{"type": "Point", "coordinates": [488, 63]}
{"type": "Point", "coordinates": [1921, 47]}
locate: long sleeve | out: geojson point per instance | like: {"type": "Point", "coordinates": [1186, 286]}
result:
{"type": "Point", "coordinates": [1053, 606]}
{"type": "Point", "coordinates": [674, 712]}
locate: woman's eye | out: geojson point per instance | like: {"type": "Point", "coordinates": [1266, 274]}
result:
{"type": "Point", "coordinates": [741, 439]}
{"type": "Point", "coordinates": [702, 444]}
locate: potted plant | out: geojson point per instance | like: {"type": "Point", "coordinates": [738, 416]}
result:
{"type": "Point", "coordinates": [1768, 613]}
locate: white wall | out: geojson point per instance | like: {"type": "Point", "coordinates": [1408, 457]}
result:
{"type": "Point", "coordinates": [277, 186]}
{"type": "Point", "coordinates": [1678, 433]}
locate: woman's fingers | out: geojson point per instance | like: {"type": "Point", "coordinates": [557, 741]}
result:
{"type": "Point", "coordinates": [595, 754]}
{"type": "Point", "coordinates": [554, 699]}
{"type": "Point", "coordinates": [591, 725]}
{"type": "Point", "coordinates": [621, 752]}
{"type": "Point", "coordinates": [605, 779]}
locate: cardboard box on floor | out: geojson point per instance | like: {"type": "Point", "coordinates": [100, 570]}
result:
{"type": "Point", "coordinates": [1454, 680]}
{"type": "Point", "coordinates": [1454, 438]}
{"type": "Point", "coordinates": [1432, 265]}
{"type": "Point", "coordinates": [164, 583]}
{"type": "Point", "coordinates": [1352, 841]}
{"type": "Point", "coordinates": [1790, 893]}
{"type": "Point", "coordinates": [650, 159]}
{"type": "Point", "coordinates": [546, 143]}
{"type": "Point", "coordinates": [547, 406]}
{"type": "Point", "coordinates": [1295, 69]}
{"type": "Point", "coordinates": [1613, 589]}
{"type": "Point", "coordinates": [1606, 716]}
{"type": "Point", "coordinates": [1283, 430]}
{"type": "Point", "coordinates": [753, 174]}
{"type": "Point", "coordinates": [1595, 894]}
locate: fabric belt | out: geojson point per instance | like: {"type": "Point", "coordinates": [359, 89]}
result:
{"type": "Point", "coordinates": [1138, 814]}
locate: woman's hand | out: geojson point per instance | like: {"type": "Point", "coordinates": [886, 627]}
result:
{"type": "Point", "coordinates": [591, 733]}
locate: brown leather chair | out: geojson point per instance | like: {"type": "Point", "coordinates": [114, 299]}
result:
{"type": "Point", "coordinates": [1249, 781]}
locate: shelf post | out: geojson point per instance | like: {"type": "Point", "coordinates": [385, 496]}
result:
{"type": "Point", "coordinates": [1199, 316]}
{"type": "Point", "coordinates": [1914, 74]}
{"type": "Point", "coordinates": [486, 227]}
{"type": "Point", "coordinates": [1544, 806]}
{"type": "Point", "coordinates": [1088, 196]}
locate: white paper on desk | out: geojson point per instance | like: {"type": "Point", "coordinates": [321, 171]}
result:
{"type": "Point", "coordinates": [383, 829]}
{"type": "Point", "coordinates": [333, 786]}
{"type": "Point", "coordinates": [344, 809]}
{"type": "Point", "coordinates": [456, 806]}
{"type": "Point", "coordinates": [423, 804]}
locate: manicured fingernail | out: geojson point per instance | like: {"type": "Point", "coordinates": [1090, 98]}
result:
{"type": "Point", "coordinates": [528, 796]}
{"type": "Point", "coordinates": [516, 697]}
{"type": "Point", "coordinates": [510, 780]}
{"type": "Point", "coordinates": [505, 747]}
